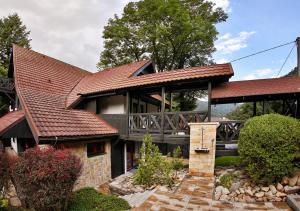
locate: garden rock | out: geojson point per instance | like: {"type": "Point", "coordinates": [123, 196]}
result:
{"type": "Point", "coordinates": [225, 191]}
{"type": "Point", "coordinates": [235, 186]}
{"type": "Point", "coordinates": [293, 181]}
{"type": "Point", "coordinates": [279, 187]}
{"type": "Point", "coordinates": [280, 194]}
{"type": "Point", "coordinates": [249, 192]}
{"type": "Point", "coordinates": [298, 182]}
{"type": "Point", "coordinates": [285, 180]}
{"type": "Point", "coordinates": [259, 194]}
{"type": "Point", "coordinates": [265, 189]}
{"type": "Point", "coordinates": [291, 190]}
{"type": "Point", "coordinates": [273, 189]}
{"type": "Point", "coordinates": [15, 202]}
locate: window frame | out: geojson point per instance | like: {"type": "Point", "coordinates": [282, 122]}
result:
{"type": "Point", "coordinates": [98, 151]}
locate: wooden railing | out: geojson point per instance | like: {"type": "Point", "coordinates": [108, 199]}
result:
{"type": "Point", "coordinates": [7, 85]}
{"type": "Point", "coordinates": [167, 123]}
{"type": "Point", "coordinates": [229, 131]}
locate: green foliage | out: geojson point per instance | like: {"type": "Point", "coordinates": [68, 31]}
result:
{"type": "Point", "coordinates": [153, 169]}
{"type": "Point", "coordinates": [3, 204]}
{"type": "Point", "coordinates": [12, 31]}
{"type": "Point", "coordinates": [227, 179]}
{"type": "Point", "coordinates": [89, 199]}
{"type": "Point", "coordinates": [228, 161]}
{"type": "Point", "coordinates": [177, 163]}
{"type": "Point", "coordinates": [268, 146]}
{"type": "Point", "coordinates": [172, 33]}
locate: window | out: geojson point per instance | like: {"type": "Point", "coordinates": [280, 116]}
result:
{"type": "Point", "coordinates": [95, 149]}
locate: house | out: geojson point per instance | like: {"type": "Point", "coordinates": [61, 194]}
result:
{"type": "Point", "coordinates": [101, 116]}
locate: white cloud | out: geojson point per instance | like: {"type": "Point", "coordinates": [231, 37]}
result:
{"type": "Point", "coordinates": [261, 73]}
{"type": "Point", "coordinates": [221, 61]}
{"type": "Point", "coordinates": [227, 44]}
{"type": "Point", "coordinates": [224, 4]}
{"type": "Point", "coordinates": [68, 30]}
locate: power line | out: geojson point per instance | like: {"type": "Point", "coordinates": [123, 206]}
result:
{"type": "Point", "coordinates": [263, 51]}
{"type": "Point", "coordinates": [286, 60]}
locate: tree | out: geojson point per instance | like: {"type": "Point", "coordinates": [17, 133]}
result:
{"type": "Point", "coordinates": [172, 33]}
{"type": "Point", "coordinates": [12, 31]}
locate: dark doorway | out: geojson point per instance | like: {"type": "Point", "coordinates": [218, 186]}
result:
{"type": "Point", "coordinates": [130, 155]}
{"type": "Point", "coordinates": [117, 158]}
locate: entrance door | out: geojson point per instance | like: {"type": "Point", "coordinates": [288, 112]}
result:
{"type": "Point", "coordinates": [117, 158]}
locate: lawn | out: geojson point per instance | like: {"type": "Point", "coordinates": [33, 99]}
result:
{"type": "Point", "coordinates": [228, 161]}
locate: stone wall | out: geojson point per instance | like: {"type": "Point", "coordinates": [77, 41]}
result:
{"type": "Point", "coordinates": [200, 162]}
{"type": "Point", "coordinates": [96, 170]}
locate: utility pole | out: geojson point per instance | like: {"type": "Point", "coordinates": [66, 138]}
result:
{"type": "Point", "coordinates": [298, 55]}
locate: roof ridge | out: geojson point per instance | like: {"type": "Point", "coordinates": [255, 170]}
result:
{"type": "Point", "coordinates": [58, 60]}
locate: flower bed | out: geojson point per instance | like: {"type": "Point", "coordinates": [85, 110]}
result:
{"type": "Point", "coordinates": [233, 184]}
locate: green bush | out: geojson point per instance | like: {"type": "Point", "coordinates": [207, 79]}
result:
{"type": "Point", "coordinates": [268, 146]}
{"type": "Point", "coordinates": [228, 161]}
{"type": "Point", "coordinates": [153, 168]}
{"type": "Point", "coordinates": [3, 204]}
{"type": "Point", "coordinates": [88, 199]}
{"type": "Point", "coordinates": [177, 163]}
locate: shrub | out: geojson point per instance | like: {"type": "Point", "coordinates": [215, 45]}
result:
{"type": "Point", "coordinates": [228, 161]}
{"type": "Point", "coordinates": [227, 179]}
{"type": "Point", "coordinates": [44, 178]}
{"type": "Point", "coordinates": [152, 169]}
{"type": "Point", "coordinates": [177, 163]}
{"type": "Point", "coordinates": [89, 199]}
{"type": "Point", "coordinates": [268, 145]}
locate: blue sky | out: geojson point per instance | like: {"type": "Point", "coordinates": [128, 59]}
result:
{"type": "Point", "coordinates": [255, 25]}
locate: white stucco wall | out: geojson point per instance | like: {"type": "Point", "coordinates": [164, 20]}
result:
{"type": "Point", "coordinates": [112, 105]}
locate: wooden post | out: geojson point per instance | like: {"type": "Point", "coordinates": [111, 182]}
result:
{"type": "Point", "coordinates": [264, 107]}
{"type": "Point", "coordinates": [162, 110]}
{"type": "Point", "coordinates": [209, 102]}
{"type": "Point", "coordinates": [127, 111]}
{"type": "Point", "coordinates": [298, 55]}
{"type": "Point", "coordinates": [171, 101]}
{"type": "Point", "coordinates": [254, 108]}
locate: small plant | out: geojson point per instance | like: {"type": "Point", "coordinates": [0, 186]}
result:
{"type": "Point", "coordinates": [89, 199]}
{"type": "Point", "coordinates": [44, 178]}
{"type": "Point", "coordinates": [153, 169]}
{"type": "Point", "coordinates": [177, 163]}
{"type": "Point", "coordinates": [268, 147]}
{"type": "Point", "coordinates": [227, 179]}
{"type": "Point", "coordinates": [4, 171]}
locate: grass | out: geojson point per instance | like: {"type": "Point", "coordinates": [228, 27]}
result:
{"type": "Point", "coordinates": [88, 199]}
{"type": "Point", "coordinates": [227, 179]}
{"type": "Point", "coordinates": [228, 161]}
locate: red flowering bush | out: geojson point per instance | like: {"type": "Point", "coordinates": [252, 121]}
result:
{"type": "Point", "coordinates": [44, 178]}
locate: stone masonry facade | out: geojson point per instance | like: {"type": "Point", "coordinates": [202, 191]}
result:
{"type": "Point", "coordinates": [96, 170]}
{"type": "Point", "coordinates": [202, 163]}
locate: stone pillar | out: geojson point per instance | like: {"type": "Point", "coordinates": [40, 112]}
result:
{"type": "Point", "coordinates": [202, 154]}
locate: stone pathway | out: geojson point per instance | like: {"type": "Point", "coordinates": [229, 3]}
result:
{"type": "Point", "coordinates": [196, 193]}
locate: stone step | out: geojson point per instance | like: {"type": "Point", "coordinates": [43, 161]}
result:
{"type": "Point", "coordinates": [294, 201]}
{"type": "Point", "coordinates": [136, 199]}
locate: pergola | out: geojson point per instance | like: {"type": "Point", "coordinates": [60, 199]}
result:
{"type": "Point", "coordinates": [286, 89]}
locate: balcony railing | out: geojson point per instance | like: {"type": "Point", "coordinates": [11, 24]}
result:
{"type": "Point", "coordinates": [167, 123]}
{"type": "Point", "coordinates": [229, 131]}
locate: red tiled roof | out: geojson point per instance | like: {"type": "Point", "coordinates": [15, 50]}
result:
{"type": "Point", "coordinates": [271, 86]}
{"type": "Point", "coordinates": [120, 78]}
{"type": "Point", "coordinates": [43, 84]}
{"type": "Point", "coordinates": [9, 120]}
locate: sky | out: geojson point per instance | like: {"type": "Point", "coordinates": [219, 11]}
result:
{"type": "Point", "coordinates": [71, 31]}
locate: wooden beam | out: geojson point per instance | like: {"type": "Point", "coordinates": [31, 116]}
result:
{"type": "Point", "coordinates": [162, 110]}
{"type": "Point", "coordinates": [209, 101]}
{"type": "Point", "coordinates": [298, 55]}
{"type": "Point", "coordinates": [127, 111]}
{"type": "Point", "coordinates": [254, 108]}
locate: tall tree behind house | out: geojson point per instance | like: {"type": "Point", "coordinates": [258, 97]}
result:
{"type": "Point", "coordinates": [174, 34]}
{"type": "Point", "coordinates": [12, 31]}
